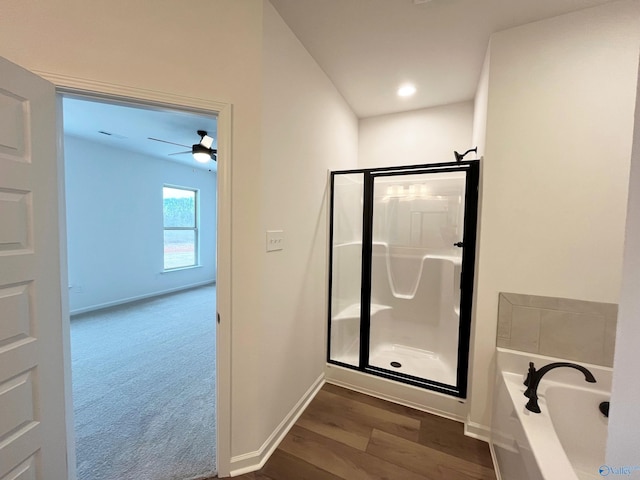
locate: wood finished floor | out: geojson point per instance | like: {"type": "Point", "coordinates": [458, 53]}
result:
{"type": "Point", "coordinates": [350, 436]}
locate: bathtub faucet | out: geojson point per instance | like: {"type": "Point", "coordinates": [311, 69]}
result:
{"type": "Point", "coordinates": [534, 376]}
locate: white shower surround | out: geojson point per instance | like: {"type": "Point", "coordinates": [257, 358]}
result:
{"type": "Point", "coordinates": [420, 330]}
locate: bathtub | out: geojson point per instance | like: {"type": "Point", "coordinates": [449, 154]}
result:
{"type": "Point", "coordinates": [566, 440]}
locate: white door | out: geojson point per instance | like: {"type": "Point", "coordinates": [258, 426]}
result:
{"type": "Point", "coordinates": [32, 417]}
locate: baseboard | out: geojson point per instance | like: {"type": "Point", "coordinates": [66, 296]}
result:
{"type": "Point", "coordinates": [475, 430]}
{"type": "Point", "coordinates": [122, 301]}
{"type": "Point", "coordinates": [396, 392]}
{"type": "Point", "coordinates": [252, 461]}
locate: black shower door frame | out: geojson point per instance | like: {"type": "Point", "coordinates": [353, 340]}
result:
{"type": "Point", "coordinates": [472, 171]}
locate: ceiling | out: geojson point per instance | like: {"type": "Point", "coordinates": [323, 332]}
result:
{"type": "Point", "coordinates": [131, 125]}
{"type": "Point", "coordinates": [369, 47]}
{"type": "Point", "coordinates": [366, 47]}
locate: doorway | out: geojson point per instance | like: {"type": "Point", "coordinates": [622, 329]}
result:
{"type": "Point", "coordinates": [141, 234]}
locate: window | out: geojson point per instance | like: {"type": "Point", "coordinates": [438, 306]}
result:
{"type": "Point", "coordinates": [180, 227]}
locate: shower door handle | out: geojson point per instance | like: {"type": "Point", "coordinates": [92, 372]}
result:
{"type": "Point", "coordinates": [458, 244]}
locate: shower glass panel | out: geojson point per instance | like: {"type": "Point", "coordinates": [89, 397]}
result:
{"type": "Point", "coordinates": [346, 267]}
{"type": "Point", "coordinates": [417, 220]}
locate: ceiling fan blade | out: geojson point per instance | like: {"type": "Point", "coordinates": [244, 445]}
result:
{"type": "Point", "coordinates": [165, 141]}
{"type": "Point", "coordinates": [180, 153]}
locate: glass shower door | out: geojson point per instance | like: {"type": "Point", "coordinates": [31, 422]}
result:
{"type": "Point", "coordinates": [417, 232]}
{"type": "Point", "coordinates": [401, 280]}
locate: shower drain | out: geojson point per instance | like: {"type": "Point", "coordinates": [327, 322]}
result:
{"type": "Point", "coordinates": [396, 364]}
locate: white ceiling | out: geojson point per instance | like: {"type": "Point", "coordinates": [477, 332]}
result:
{"type": "Point", "coordinates": [131, 125]}
{"type": "Point", "coordinates": [369, 47]}
{"type": "Point", "coordinates": [366, 47]}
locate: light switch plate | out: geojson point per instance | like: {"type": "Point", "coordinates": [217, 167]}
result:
{"type": "Point", "coordinates": [275, 240]}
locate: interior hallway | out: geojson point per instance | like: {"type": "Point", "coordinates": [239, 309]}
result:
{"type": "Point", "coordinates": [144, 388]}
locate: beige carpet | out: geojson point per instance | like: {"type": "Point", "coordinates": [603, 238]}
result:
{"type": "Point", "coordinates": [144, 388]}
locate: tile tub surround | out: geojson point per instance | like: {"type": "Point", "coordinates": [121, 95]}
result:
{"type": "Point", "coordinates": [559, 327]}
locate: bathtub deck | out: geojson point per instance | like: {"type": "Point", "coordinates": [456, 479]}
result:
{"type": "Point", "coordinates": [348, 435]}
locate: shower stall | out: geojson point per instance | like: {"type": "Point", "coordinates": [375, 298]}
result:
{"type": "Point", "coordinates": [401, 272]}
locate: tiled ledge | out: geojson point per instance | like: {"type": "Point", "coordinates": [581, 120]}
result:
{"type": "Point", "coordinates": [558, 327]}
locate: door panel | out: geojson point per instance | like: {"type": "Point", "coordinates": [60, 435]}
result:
{"type": "Point", "coordinates": [14, 212]}
{"type": "Point", "coordinates": [32, 425]}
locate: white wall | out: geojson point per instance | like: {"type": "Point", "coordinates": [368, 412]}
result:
{"type": "Point", "coordinates": [480, 105]}
{"type": "Point", "coordinates": [555, 175]}
{"type": "Point", "coordinates": [114, 224]}
{"type": "Point", "coordinates": [416, 137]}
{"type": "Point", "coordinates": [623, 435]}
{"type": "Point", "coordinates": [307, 129]}
{"type": "Point", "coordinates": [479, 136]}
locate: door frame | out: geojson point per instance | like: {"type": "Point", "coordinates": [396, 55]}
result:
{"type": "Point", "coordinates": [224, 112]}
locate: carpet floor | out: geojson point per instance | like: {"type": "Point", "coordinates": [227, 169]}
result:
{"type": "Point", "coordinates": [144, 388]}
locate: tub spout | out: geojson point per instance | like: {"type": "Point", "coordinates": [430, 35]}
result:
{"type": "Point", "coordinates": [534, 376]}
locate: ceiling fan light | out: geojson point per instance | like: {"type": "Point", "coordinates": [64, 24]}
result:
{"type": "Point", "coordinates": [202, 157]}
{"type": "Point", "coordinates": [201, 153]}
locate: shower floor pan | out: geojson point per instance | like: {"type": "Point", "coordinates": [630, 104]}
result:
{"type": "Point", "coordinates": [413, 361]}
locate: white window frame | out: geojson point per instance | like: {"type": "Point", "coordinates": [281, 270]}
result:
{"type": "Point", "coordinates": [195, 228]}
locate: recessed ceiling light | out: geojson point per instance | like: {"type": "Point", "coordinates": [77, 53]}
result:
{"type": "Point", "coordinates": [406, 90]}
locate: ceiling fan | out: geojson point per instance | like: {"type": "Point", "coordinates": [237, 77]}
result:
{"type": "Point", "coordinates": [202, 151]}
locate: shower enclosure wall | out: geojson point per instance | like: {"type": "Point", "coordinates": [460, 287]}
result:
{"type": "Point", "coordinates": [402, 259]}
